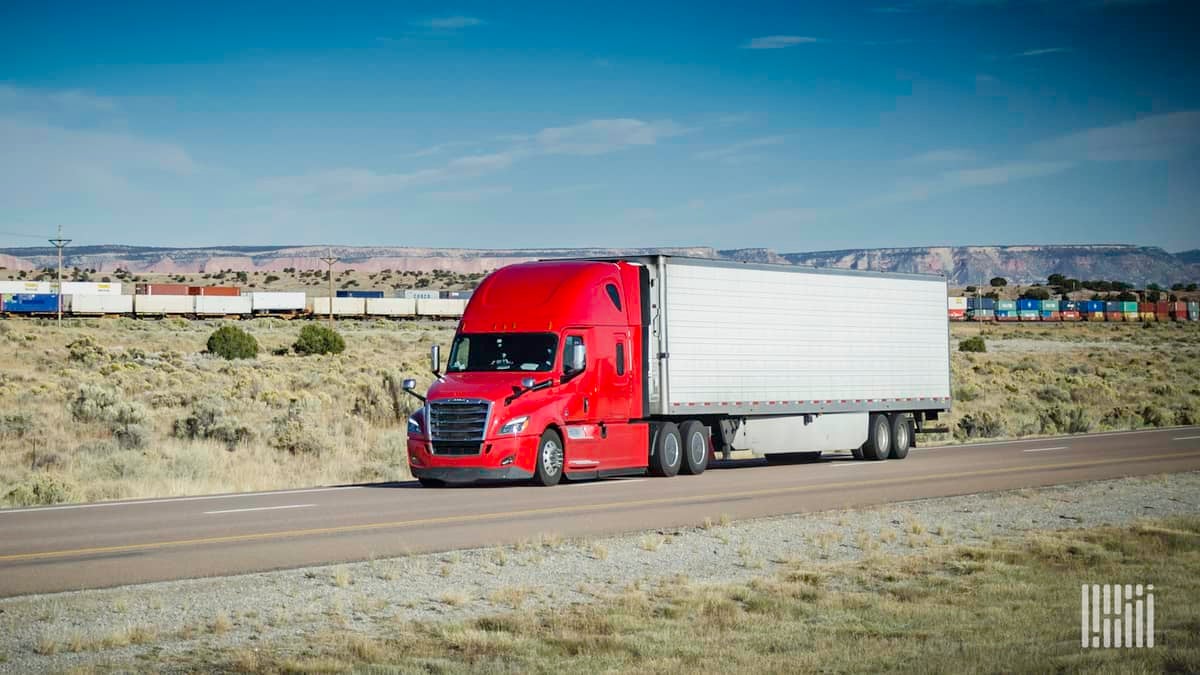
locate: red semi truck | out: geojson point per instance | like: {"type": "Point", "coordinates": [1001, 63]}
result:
{"type": "Point", "coordinates": [603, 367]}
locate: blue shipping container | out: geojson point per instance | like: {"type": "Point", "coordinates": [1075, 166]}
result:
{"type": "Point", "coordinates": [360, 294]}
{"type": "Point", "coordinates": [1027, 305]}
{"type": "Point", "coordinates": [981, 303]}
{"type": "Point", "coordinates": [1093, 306]}
{"type": "Point", "coordinates": [1069, 306]}
{"type": "Point", "coordinates": [31, 303]}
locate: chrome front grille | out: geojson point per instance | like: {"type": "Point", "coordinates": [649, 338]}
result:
{"type": "Point", "coordinates": [456, 423]}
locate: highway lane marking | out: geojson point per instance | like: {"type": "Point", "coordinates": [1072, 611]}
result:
{"type": "Point", "coordinates": [1059, 447]}
{"type": "Point", "coordinates": [168, 500]}
{"type": "Point", "coordinates": [1186, 438]}
{"type": "Point", "coordinates": [966, 446]}
{"type": "Point", "coordinates": [577, 508]}
{"type": "Point", "coordinates": [260, 508]}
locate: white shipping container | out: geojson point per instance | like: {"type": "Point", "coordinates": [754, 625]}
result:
{"type": "Point", "coordinates": [90, 288]}
{"type": "Point", "coordinates": [222, 305]}
{"type": "Point", "coordinates": [264, 301]}
{"type": "Point", "coordinates": [419, 294]}
{"type": "Point", "coordinates": [341, 306]}
{"type": "Point", "coordinates": [439, 307]}
{"type": "Point", "coordinates": [391, 307]}
{"type": "Point", "coordinates": [24, 287]}
{"type": "Point", "coordinates": [740, 338]}
{"type": "Point", "coordinates": [98, 304]}
{"type": "Point", "coordinates": [163, 304]}
{"type": "Point", "coordinates": [956, 302]}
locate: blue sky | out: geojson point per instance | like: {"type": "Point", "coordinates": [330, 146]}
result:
{"type": "Point", "coordinates": [793, 126]}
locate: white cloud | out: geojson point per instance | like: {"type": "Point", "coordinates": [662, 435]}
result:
{"type": "Point", "coordinates": [470, 195]}
{"type": "Point", "coordinates": [1156, 137]}
{"type": "Point", "coordinates": [733, 150]}
{"type": "Point", "coordinates": [457, 22]}
{"type": "Point", "coordinates": [778, 41]}
{"type": "Point", "coordinates": [943, 156]}
{"type": "Point", "coordinates": [47, 100]}
{"type": "Point", "coordinates": [597, 137]}
{"type": "Point", "coordinates": [1043, 52]}
{"type": "Point", "coordinates": [951, 181]}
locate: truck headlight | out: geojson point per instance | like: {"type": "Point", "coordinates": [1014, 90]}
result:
{"type": "Point", "coordinates": [414, 427]}
{"type": "Point", "coordinates": [514, 426]}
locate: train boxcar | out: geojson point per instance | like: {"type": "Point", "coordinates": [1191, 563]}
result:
{"type": "Point", "coordinates": [98, 305]}
{"type": "Point", "coordinates": [1093, 310]}
{"type": "Point", "coordinates": [222, 291]}
{"type": "Point", "coordinates": [340, 306]}
{"type": "Point", "coordinates": [1049, 310]}
{"type": "Point", "coordinates": [391, 307]}
{"type": "Point", "coordinates": [358, 294]}
{"type": "Point", "coordinates": [161, 289]}
{"type": "Point", "coordinates": [1114, 310]}
{"type": "Point", "coordinates": [90, 288]}
{"type": "Point", "coordinates": [153, 304]}
{"type": "Point", "coordinates": [421, 294]}
{"type": "Point", "coordinates": [1069, 310]}
{"type": "Point", "coordinates": [956, 307]}
{"type": "Point", "coordinates": [222, 305]}
{"type": "Point", "coordinates": [25, 288]}
{"type": "Point", "coordinates": [440, 307]}
{"type": "Point", "coordinates": [269, 302]}
{"type": "Point", "coordinates": [1006, 310]}
{"type": "Point", "coordinates": [31, 304]}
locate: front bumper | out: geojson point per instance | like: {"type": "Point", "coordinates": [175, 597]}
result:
{"type": "Point", "coordinates": [463, 474]}
{"type": "Point", "coordinates": [505, 458]}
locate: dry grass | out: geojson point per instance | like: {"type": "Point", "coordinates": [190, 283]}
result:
{"type": "Point", "coordinates": [952, 609]}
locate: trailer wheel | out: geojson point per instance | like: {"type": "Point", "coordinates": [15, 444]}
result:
{"type": "Point", "coordinates": [901, 436]}
{"type": "Point", "coordinates": [549, 463]}
{"type": "Point", "coordinates": [666, 450]}
{"type": "Point", "coordinates": [879, 438]}
{"type": "Point", "coordinates": [695, 445]}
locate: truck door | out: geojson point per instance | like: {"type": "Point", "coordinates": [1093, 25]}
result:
{"type": "Point", "coordinates": [579, 403]}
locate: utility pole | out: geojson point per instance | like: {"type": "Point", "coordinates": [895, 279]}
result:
{"type": "Point", "coordinates": [60, 243]}
{"type": "Point", "coordinates": [329, 260]}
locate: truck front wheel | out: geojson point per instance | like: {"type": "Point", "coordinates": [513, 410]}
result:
{"type": "Point", "coordinates": [549, 459]}
{"type": "Point", "coordinates": [666, 450]}
{"type": "Point", "coordinates": [879, 438]}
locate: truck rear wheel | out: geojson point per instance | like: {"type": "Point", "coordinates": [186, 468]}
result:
{"type": "Point", "coordinates": [666, 450]}
{"type": "Point", "coordinates": [901, 436]}
{"type": "Point", "coordinates": [549, 465]}
{"type": "Point", "coordinates": [695, 445]}
{"type": "Point", "coordinates": [879, 438]}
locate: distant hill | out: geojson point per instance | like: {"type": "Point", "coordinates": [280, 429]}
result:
{"type": "Point", "coordinates": [963, 265]}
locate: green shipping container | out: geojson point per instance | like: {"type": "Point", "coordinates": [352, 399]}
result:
{"type": "Point", "coordinates": [1010, 305]}
{"type": "Point", "coordinates": [1129, 307]}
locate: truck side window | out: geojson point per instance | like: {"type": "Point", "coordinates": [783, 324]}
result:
{"type": "Point", "coordinates": [568, 348]}
{"type": "Point", "coordinates": [614, 295]}
{"type": "Point", "coordinates": [620, 358]}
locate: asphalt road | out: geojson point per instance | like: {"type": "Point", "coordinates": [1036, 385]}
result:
{"type": "Point", "coordinates": [73, 547]}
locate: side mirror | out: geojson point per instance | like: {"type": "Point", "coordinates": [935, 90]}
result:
{"type": "Point", "coordinates": [409, 384]}
{"type": "Point", "coordinates": [435, 358]}
{"type": "Point", "coordinates": [578, 358]}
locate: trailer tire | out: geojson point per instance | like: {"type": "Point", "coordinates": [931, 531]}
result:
{"type": "Point", "coordinates": [901, 436]}
{"type": "Point", "coordinates": [695, 448]}
{"type": "Point", "coordinates": [666, 450]}
{"type": "Point", "coordinates": [550, 460]}
{"type": "Point", "coordinates": [879, 438]}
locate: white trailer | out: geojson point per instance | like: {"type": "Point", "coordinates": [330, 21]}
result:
{"type": "Point", "coordinates": [775, 360]}
{"type": "Point", "coordinates": [163, 305]}
{"type": "Point", "coordinates": [91, 288]}
{"type": "Point", "coordinates": [341, 306]}
{"type": "Point", "coordinates": [222, 305]}
{"type": "Point", "coordinates": [25, 287]}
{"type": "Point", "coordinates": [440, 307]}
{"type": "Point", "coordinates": [391, 307]}
{"type": "Point", "coordinates": [98, 304]}
{"type": "Point", "coordinates": [277, 302]}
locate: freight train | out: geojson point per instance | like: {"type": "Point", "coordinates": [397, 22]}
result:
{"type": "Point", "coordinates": [83, 299]}
{"type": "Point", "coordinates": [961, 308]}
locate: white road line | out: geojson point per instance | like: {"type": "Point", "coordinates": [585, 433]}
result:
{"type": "Point", "coordinates": [967, 446]}
{"type": "Point", "coordinates": [260, 508]}
{"type": "Point", "coordinates": [612, 481]}
{"type": "Point", "coordinates": [1060, 447]}
{"type": "Point", "coordinates": [857, 463]}
{"type": "Point", "coordinates": [1186, 438]}
{"type": "Point", "coordinates": [168, 500]}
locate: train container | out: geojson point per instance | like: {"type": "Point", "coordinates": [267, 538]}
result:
{"type": "Point", "coordinates": [394, 307]}
{"type": "Point", "coordinates": [981, 314]}
{"type": "Point", "coordinates": [25, 288]}
{"type": "Point", "coordinates": [1006, 305]}
{"type": "Point", "coordinates": [358, 294]}
{"type": "Point", "coordinates": [956, 307]}
{"type": "Point", "coordinates": [161, 289]}
{"type": "Point", "coordinates": [457, 295]}
{"type": "Point", "coordinates": [1179, 311]}
{"type": "Point", "coordinates": [440, 307]}
{"type": "Point", "coordinates": [1096, 316]}
{"type": "Point", "coordinates": [1093, 306]}
{"type": "Point", "coordinates": [90, 288]}
{"type": "Point", "coordinates": [1029, 315]}
{"type": "Point", "coordinates": [1050, 315]}
{"type": "Point", "coordinates": [270, 302]}
{"type": "Point", "coordinates": [169, 304]}
{"type": "Point", "coordinates": [222, 305]}
{"type": "Point", "coordinates": [99, 304]}
{"type": "Point", "coordinates": [1163, 310]}
{"type": "Point", "coordinates": [1130, 309]}
{"type": "Point", "coordinates": [1146, 311]}
{"type": "Point", "coordinates": [218, 291]}
{"type": "Point", "coordinates": [341, 306]}
{"type": "Point", "coordinates": [420, 294]}
{"type": "Point", "coordinates": [981, 303]}
{"type": "Point", "coordinates": [1193, 311]}
{"type": "Point", "coordinates": [1069, 310]}
{"type": "Point", "coordinates": [1006, 315]}
{"type": "Point", "coordinates": [29, 303]}
{"type": "Point", "coordinates": [1029, 305]}
{"type": "Point", "coordinates": [1051, 306]}
{"type": "Point", "coordinates": [537, 336]}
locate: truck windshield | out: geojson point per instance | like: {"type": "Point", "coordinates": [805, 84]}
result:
{"type": "Point", "coordinates": [489, 352]}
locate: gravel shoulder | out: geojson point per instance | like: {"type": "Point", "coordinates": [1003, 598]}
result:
{"type": "Point", "coordinates": [137, 626]}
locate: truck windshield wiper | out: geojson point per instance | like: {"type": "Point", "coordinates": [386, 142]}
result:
{"type": "Point", "coordinates": [520, 391]}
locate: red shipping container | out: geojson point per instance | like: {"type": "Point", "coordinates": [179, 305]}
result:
{"type": "Point", "coordinates": [1163, 310]}
{"type": "Point", "coordinates": [1114, 316]}
{"type": "Point", "coordinates": [222, 291]}
{"type": "Point", "coordinates": [1069, 315]}
{"type": "Point", "coordinates": [161, 289]}
{"type": "Point", "coordinates": [1179, 311]}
